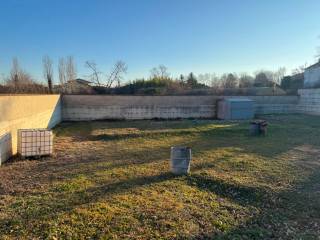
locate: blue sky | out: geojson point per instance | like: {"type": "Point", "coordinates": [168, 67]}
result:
{"type": "Point", "coordinates": [202, 36]}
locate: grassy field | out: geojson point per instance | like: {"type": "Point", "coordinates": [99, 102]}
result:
{"type": "Point", "coordinates": [111, 180]}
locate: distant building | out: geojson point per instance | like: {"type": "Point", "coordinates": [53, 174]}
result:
{"type": "Point", "coordinates": [312, 76]}
{"type": "Point", "coordinates": [77, 86]}
{"type": "Point", "coordinates": [292, 83]}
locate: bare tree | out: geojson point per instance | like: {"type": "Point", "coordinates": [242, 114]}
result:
{"type": "Point", "coordinates": [19, 80]}
{"type": "Point", "coordinates": [62, 74]}
{"type": "Point", "coordinates": [95, 75]}
{"type": "Point", "coordinates": [15, 72]}
{"type": "Point", "coordinates": [159, 72]}
{"type": "Point", "coordinates": [71, 72]}
{"type": "Point", "coordinates": [209, 79]}
{"type": "Point", "coordinates": [163, 71]}
{"type": "Point", "coordinates": [299, 69]}
{"type": "Point", "coordinates": [116, 74]}
{"type": "Point", "coordinates": [263, 79]}
{"type": "Point", "coordinates": [154, 73]}
{"type": "Point", "coordinates": [279, 74]}
{"type": "Point", "coordinates": [229, 80]}
{"type": "Point", "coordinates": [48, 71]}
{"type": "Point", "coordinates": [245, 80]}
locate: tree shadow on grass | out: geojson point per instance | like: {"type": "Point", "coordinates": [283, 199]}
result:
{"type": "Point", "coordinates": [236, 136]}
{"type": "Point", "coordinates": [275, 208]}
{"type": "Point", "coordinates": [127, 136]}
{"type": "Point", "coordinates": [37, 207]}
{"type": "Point", "coordinates": [278, 141]}
{"type": "Point", "coordinates": [243, 195]}
{"type": "Point", "coordinates": [86, 128]}
{"type": "Point", "coordinates": [21, 178]}
{"type": "Point", "coordinates": [290, 214]}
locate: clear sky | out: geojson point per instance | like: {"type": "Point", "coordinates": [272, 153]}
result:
{"type": "Point", "coordinates": [202, 36]}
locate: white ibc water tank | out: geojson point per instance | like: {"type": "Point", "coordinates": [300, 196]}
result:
{"type": "Point", "coordinates": [35, 142]}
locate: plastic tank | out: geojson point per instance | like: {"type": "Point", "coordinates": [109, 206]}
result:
{"type": "Point", "coordinates": [35, 142]}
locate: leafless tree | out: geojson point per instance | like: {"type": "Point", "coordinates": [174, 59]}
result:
{"type": "Point", "coordinates": [209, 79]}
{"type": "Point", "coordinates": [299, 69]}
{"type": "Point", "coordinates": [229, 80]}
{"type": "Point", "coordinates": [62, 74]}
{"type": "Point", "coordinates": [279, 74]}
{"type": "Point", "coordinates": [19, 81]}
{"type": "Point", "coordinates": [159, 72]}
{"type": "Point", "coordinates": [48, 71]}
{"type": "Point", "coordinates": [95, 75]}
{"type": "Point", "coordinates": [116, 74]}
{"type": "Point", "coordinates": [15, 72]}
{"type": "Point", "coordinates": [71, 72]}
{"type": "Point", "coordinates": [245, 80]}
{"type": "Point", "coordinates": [163, 71]}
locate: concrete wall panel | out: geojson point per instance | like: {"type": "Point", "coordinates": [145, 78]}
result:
{"type": "Point", "coordinates": [309, 101]}
{"type": "Point", "coordinates": [94, 107]}
{"type": "Point", "coordinates": [25, 111]}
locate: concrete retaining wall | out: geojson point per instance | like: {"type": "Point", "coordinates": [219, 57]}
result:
{"type": "Point", "coordinates": [45, 111]}
{"type": "Point", "coordinates": [309, 101]}
{"type": "Point", "coordinates": [94, 107]}
{"type": "Point", "coordinates": [25, 111]}
{"type": "Point", "coordinates": [85, 107]}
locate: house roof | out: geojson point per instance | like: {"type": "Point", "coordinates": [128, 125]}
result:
{"type": "Point", "coordinates": [316, 65]}
{"type": "Point", "coordinates": [298, 76]}
{"type": "Point", "coordinates": [82, 81]}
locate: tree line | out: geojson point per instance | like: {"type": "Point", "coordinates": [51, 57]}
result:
{"type": "Point", "coordinates": [159, 81]}
{"type": "Point", "coordinates": [20, 81]}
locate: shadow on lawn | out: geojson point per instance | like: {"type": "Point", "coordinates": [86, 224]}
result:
{"type": "Point", "coordinates": [64, 168]}
{"type": "Point", "coordinates": [46, 205]}
{"type": "Point", "coordinates": [279, 212]}
{"type": "Point", "coordinates": [291, 214]}
{"type": "Point", "coordinates": [278, 140]}
{"type": "Point", "coordinates": [40, 207]}
{"type": "Point", "coordinates": [86, 128]}
{"type": "Point", "coordinates": [151, 134]}
{"type": "Point", "coordinates": [57, 201]}
{"type": "Point", "coordinates": [87, 162]}
{"type": "Point", "coordinates": [274, 208]}
{"type": "Point", "coordinates": [243, 195]}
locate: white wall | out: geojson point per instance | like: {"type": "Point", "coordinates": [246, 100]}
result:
{"type": "Point", "coordinates": [25, 111]}
{"type": "Point", "coordinates": [312, 77]}
{"type": "Point", "coordinates": [94, 107]}
{"type": "Point", "coordinates": [309, 101]}
{"type": "Point", "coordinates": [45, 111]}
